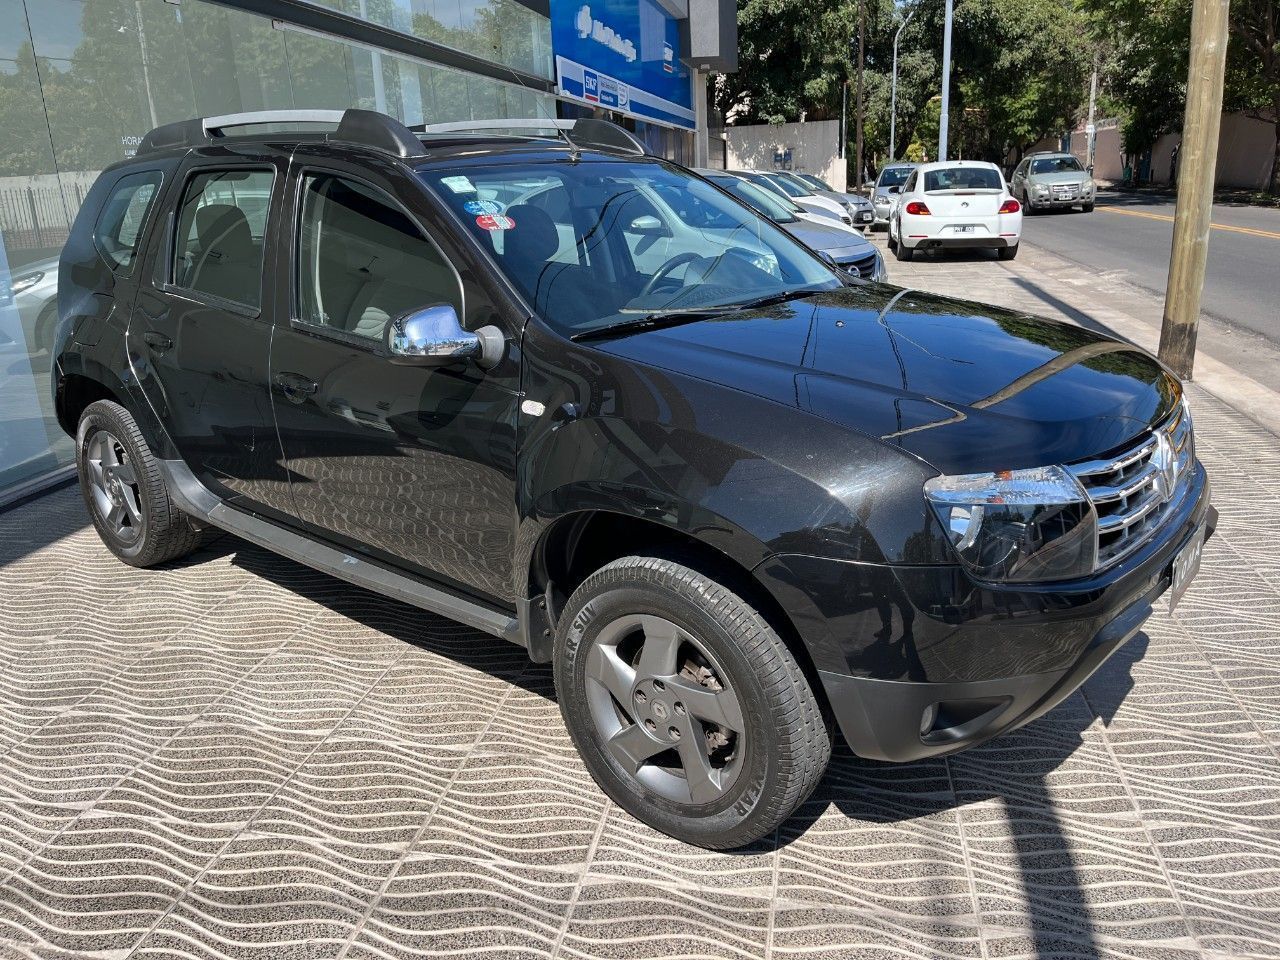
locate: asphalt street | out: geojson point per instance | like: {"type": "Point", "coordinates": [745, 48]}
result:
{"type": "Point", "coordinates": [1128, 236]}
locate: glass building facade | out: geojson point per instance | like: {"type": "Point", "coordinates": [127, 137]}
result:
{"type": "Point", "coordinates": [81, 81]}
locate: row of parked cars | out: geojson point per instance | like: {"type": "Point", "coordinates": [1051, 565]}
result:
{"type": "Point", "coordinates": [968, 203]}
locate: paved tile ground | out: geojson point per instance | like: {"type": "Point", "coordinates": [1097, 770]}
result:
{"type": "Point", "coordinates": [238, 757]}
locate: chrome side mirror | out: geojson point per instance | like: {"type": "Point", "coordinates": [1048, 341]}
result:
{"type": "Point", "coordinates": [433, 337]}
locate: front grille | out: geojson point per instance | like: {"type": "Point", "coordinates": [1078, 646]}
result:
{"type": "Point", "coordinates": [1135, 491]}
{"type": "Point", "coordinates": [1066, 191]}
{"type": "Point", "coordinates": [863, 266]}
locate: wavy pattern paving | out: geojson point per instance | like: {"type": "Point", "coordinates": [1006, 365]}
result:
{"type": "Point", "coordinates": [238, 757]}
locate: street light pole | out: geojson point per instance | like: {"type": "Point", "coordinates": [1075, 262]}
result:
{"type": "Point", "coordinates": [893, 87]}
{"type": "Point", "coordinates": [1091, 130]}
{"type": "Point", "coordinates": [857, 150]}
{"type": "Point", "coordinates": [1196, 167]}
{"type": "Point", "coordinates": [946, 84]}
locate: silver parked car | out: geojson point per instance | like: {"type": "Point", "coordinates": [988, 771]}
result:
{"type": "Point", "coordinates": [1043, 181]}
{"type": "Point", "coordinates": [859, 206]}
{"type": "Point", "coordinates": [848, 248]}
{"type": "Point", "coordinates": [891, 175]}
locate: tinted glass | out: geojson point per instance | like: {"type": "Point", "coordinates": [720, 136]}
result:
{"type": "Point", "coordinates": [962, 178]}
{"type": "Point", "coordinates": [813, 181]}
{"type": "Point", "coordinates": [893, 176]}
{"type": "Point", "coordinates": [221, 225]}
{"type": "Point", "coordinates": [594, 244]}
{"type": "Point", "coordinates": [117, 231]}
{"type": "Point", "coordinates": [789, 186]}
{"type": "Point", "coordinates": [1055, 165]}
{"type": "Point", "coordinates": [362, 262]}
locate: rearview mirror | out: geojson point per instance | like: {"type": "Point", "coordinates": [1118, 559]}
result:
{"type": "Point", "coordinates": [433, 337]}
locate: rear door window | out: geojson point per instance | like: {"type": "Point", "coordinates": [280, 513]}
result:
{"type": "Point", "coordinates": [221, 225]}
{"type": "Point", "coordinates": [118, 231]}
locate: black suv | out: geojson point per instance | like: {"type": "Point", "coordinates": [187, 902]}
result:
{"type": "Point", "coordinates": [581, 398]}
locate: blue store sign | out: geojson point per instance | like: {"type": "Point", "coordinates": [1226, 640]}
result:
{"type": "Point", "coordinates": [624, 55]}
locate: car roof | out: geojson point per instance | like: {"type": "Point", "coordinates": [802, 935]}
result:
{"type": "Point", "coordinates": [949, 164]}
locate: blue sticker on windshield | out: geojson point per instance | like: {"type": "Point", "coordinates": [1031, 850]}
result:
{"type": "Point", "coordinates": [478, 207]}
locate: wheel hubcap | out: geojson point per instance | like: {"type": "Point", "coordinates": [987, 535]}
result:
{"type": "Point", "coordinates": [664, 709]}
{"type": "Point", "coordinates": [113, 486]}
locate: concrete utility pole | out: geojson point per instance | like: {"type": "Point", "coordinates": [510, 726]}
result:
{"type": "Point", "coordinates": [857, 120]}
{"type": "Point", "coordinates": [1196, 167]}
{"type": "Point", "coordinates": [893, 87]}
{"type": "Point", "coordinates": [1092, 130]}
{"type": "Point", "coordinates": [946, 84]}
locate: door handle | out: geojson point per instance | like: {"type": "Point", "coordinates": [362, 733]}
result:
{"type": "Point", "coordinates": [157, 341]}
{"type": "Point", "coordinates": [295, 386]}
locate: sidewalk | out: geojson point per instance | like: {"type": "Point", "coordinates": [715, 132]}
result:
{"type": "Point", "coordinates": [236, 756]}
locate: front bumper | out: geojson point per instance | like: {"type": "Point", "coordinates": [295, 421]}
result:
{"type": "Point", "coordinates": [923, 661]}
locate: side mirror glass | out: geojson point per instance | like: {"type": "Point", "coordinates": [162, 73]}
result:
{"type": "Point", "coordinates": [433, 336]}
{"type": "Point", "coordinates": [647, 225]}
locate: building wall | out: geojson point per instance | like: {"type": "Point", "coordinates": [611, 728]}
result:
{"type": "Point", "coordinates": [1245, 146]}
{"type": "Point", "coordinates": [81, 81]}
{"type": "Point", "coordinates": [814, 148]}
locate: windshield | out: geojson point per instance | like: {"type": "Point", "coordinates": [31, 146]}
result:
{"type": "Point", "coordinates": [813, 181]}
{"type": "Point", "coordinates": [962, 178]}
{"type": "Point", "coordinates": [893, 176]}
{"type": "Point", "coordinates": [1056, 165]}
{"type": "Point", "coordinates": [787, 185]}
{"type": "Point", "coordinates": [594, 245]}
{"type": "Point", "coordinates": [771, 205]}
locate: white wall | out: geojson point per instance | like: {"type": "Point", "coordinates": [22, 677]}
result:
{"type": "Point", "coordinates": [814, 148]}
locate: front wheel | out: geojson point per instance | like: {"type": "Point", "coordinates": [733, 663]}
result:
{"type": "Point", "coordinates": [1086, 207]}
{"type": "Point", "coordinates": [687, 707]}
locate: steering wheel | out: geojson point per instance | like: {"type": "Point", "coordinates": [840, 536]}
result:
{"type": "Point", "coordinates": [661, 273]}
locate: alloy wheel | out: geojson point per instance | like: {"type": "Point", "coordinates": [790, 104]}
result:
{"type": "Point", "coordinates": [114, 486]}
{"type": "Point", "coordinates": [664, 709]}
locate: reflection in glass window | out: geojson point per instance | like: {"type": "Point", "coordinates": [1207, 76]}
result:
{"type": "Point", "coordinates": [221, 226]}
{"type": "Point", "coordinates": [120, 222]}
{"type": "Point", "coordinates": [362, 262]}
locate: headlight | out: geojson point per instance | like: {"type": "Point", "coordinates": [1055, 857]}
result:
{"type": "Point", "coordinates": [1042, 189]}
{"type": "Point", "coordinates": [1088, 186]}
{"type": "Point", "coordinates": [879, 274]}
{"type": "Point", "coordinates": [26, 281]}
{"type": "Point", "coordinates": [1018, 525]}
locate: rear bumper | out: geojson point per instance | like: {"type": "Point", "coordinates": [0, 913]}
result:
{"type": "Point", "coordinates": [962, 243]}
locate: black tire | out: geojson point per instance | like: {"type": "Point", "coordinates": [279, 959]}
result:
{"type": "Point", "coordinates": [723, 648]}
{"type": "Point", "coordinates": [1008, 253]}
{"type": "Point", "coordinates": [1086, 207]}
{"type": "Point", "coordinates": [151, 530]}
{"type": "Point", "coordinates": [889, 241]}
{"type": "Point", "coordinates": [903, 252]}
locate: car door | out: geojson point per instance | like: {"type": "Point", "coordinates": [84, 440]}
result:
{"type": "Point", "coordinates": [411, 465]}
{"type": "Point", "coordinates": [200, 331]}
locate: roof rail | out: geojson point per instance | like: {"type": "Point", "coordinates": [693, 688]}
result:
{"type": "Point", "coordinates": [365, 127]}
{"type": "Point", "coordinates": [584, 132]}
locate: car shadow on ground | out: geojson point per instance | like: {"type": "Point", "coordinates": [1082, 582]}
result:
{"type": "Point", "coordinates": [1017, 769]}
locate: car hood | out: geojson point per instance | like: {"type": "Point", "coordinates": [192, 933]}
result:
{"type": "Point", "coordinates": [965, 387]}
{"type": "Point", "coordinates": [836, 239]}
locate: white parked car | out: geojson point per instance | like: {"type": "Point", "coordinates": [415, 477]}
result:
{"type": "Point", "coordinates": [802, 195]}
{"type": "Point", "coordinates": [955, 203]}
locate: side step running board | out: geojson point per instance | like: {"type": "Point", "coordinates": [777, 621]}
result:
{"type": "Point", "coordinates": [194, 498]}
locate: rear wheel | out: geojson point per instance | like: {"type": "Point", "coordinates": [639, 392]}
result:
{"type": "Point", "coordinates": [901, 250]}
{"type": "Point", "coordinates": [122, 488]}
{"type": "Point", "coordinates": [687, 707]}
{"type": "Point", "coordinates": [1008, 253]}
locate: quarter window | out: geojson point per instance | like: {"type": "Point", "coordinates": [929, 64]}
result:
{"type": "Point", "coordinates": [120, 222]}
{"type": "Point", "coordinates": [221, 225]}
{"type": "Point", "coordinates": [362, 262]}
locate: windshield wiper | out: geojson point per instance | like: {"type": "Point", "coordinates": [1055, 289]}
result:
{"type": "Point", "coordinates": [671, 318]}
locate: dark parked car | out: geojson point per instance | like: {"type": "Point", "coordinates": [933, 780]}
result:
{"type": "Point", "coordinates": [737, 497]}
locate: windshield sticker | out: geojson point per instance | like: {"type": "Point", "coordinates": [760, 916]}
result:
{"type": "Point", "coordinates": [458, 184]}
{"type": "Point", "coordinates": [478, 207]}
{"type": "Point", "coordinates": [490, 221]}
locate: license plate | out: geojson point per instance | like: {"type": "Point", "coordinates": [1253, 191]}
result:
{"type": "Point", "coordinates": [962, 229]}
{"type": "Point", "coordinates": [864, 217]}
{"type": "Point", "coordinates": [1185, 567]}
